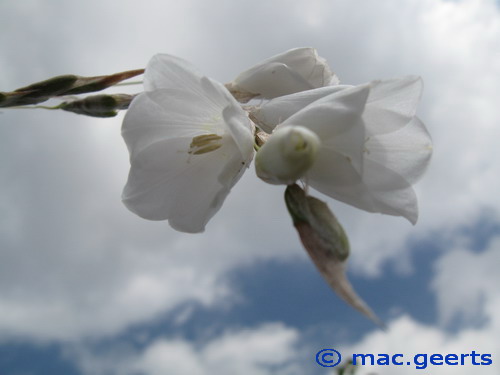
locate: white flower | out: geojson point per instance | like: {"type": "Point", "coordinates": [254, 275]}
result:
{"type": "Point", "coordinates": [373, 147]}
{"type": "Point", "coordinates": [295, 70]}
{"type": "Point", "coordinates": [189, 143]}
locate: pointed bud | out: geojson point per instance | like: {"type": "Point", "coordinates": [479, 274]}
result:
{"type": "Point", "coordinates": [62, 86]}
{"type": "Point", "coordinates": [326, 243]}
{"type": "Point", "coordinates": [98, 105]}
{"type": "Point", "coordinates": [319, 229]}
{"type": "Point", "coordinates": [287, 155]}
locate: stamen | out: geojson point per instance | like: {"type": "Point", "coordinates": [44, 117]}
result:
{"type": "Point", "coordinates": [206, 149]}
{"type": "Point", "coordinates": [204, 143]}
{"type": "Point", "coordinates": [204, 139]}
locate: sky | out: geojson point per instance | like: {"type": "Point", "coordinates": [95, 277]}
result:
{"type": "Point", "coordinates": [88, 288]}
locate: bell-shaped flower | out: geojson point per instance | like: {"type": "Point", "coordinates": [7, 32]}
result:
{"type": "Point", "coordinates": [373, 147]}
{"type": "Point", "coordinates": [293, 71]}
{"type": "Point", "coordinates": [189, 143]}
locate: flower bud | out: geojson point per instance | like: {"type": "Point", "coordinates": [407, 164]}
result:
{"type": "Point", "coordinates": [287, 155]}
{"type": "Point", "coordinates": [98, 105]}
{"type": "Point", "coordinates": [326, 243]}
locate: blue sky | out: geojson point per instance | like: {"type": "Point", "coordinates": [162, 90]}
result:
{"type": "Point", "coordinates": [86, 287]}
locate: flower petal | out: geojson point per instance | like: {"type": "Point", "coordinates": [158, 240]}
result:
{"type": "Point", "coordinates": [392, 103]}
{"type": "Point", "coordinates": [279, 109]}
{"type": "Point", "coordinates": [378, 189]}
{"type": "Point", "coordinates": [164, 114]}
{"type": "Point", "coordinates": [272, 80]}
{"type": "Point", "coordinates": [333, 173]}
{"type": "Point", "coordinates": [334, 114]}
{"type": "Point", "coordinates": [292, 71]}
{"type": "Point", "coordinates": [165, 182]}
{"type": "Point", "coordinates": [406, 151]}
{"type": "Point", "coordinates": [306, 62]}
{"type": "Point", "coordinates": [241, 130]}
{"type": "Point", "coordinates": [166, 71]}
{"type": "Point", "coordinates": [388, 193]}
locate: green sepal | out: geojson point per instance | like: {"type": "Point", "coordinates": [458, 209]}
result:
{"type": "Point", "coordinates": [322, 223]}
{"type": "Point", "coordinates": [296, 203]}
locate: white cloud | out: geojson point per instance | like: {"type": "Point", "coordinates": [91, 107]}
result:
{"type": "Point", "coordinates": [277, 349]}
{"type": "Point", "coordinates": [76, 263]}
{"type": "Point", "coordinates": [466, 285]}
{"type": "Point", "coordinates": [264, 350]}
{"type": "Point", "coordinates": [408, 337]}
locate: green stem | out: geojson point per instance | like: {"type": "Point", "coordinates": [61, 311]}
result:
{"type": "Point", "coordinates": [35, 107]}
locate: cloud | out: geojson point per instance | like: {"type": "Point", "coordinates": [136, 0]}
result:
{"type": "Point", "coordinates": [267, 349]}
{"type": "Point", "coordinates": [471, 277]}
{"type": "Point", "coordinates": [76, 263]}
{"type": "Point", "coordinates": [408, 337]}
{"type": "Point", "coordinates": [274, 348]}
{"type": "Point", "coordinates": [465, 284]}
